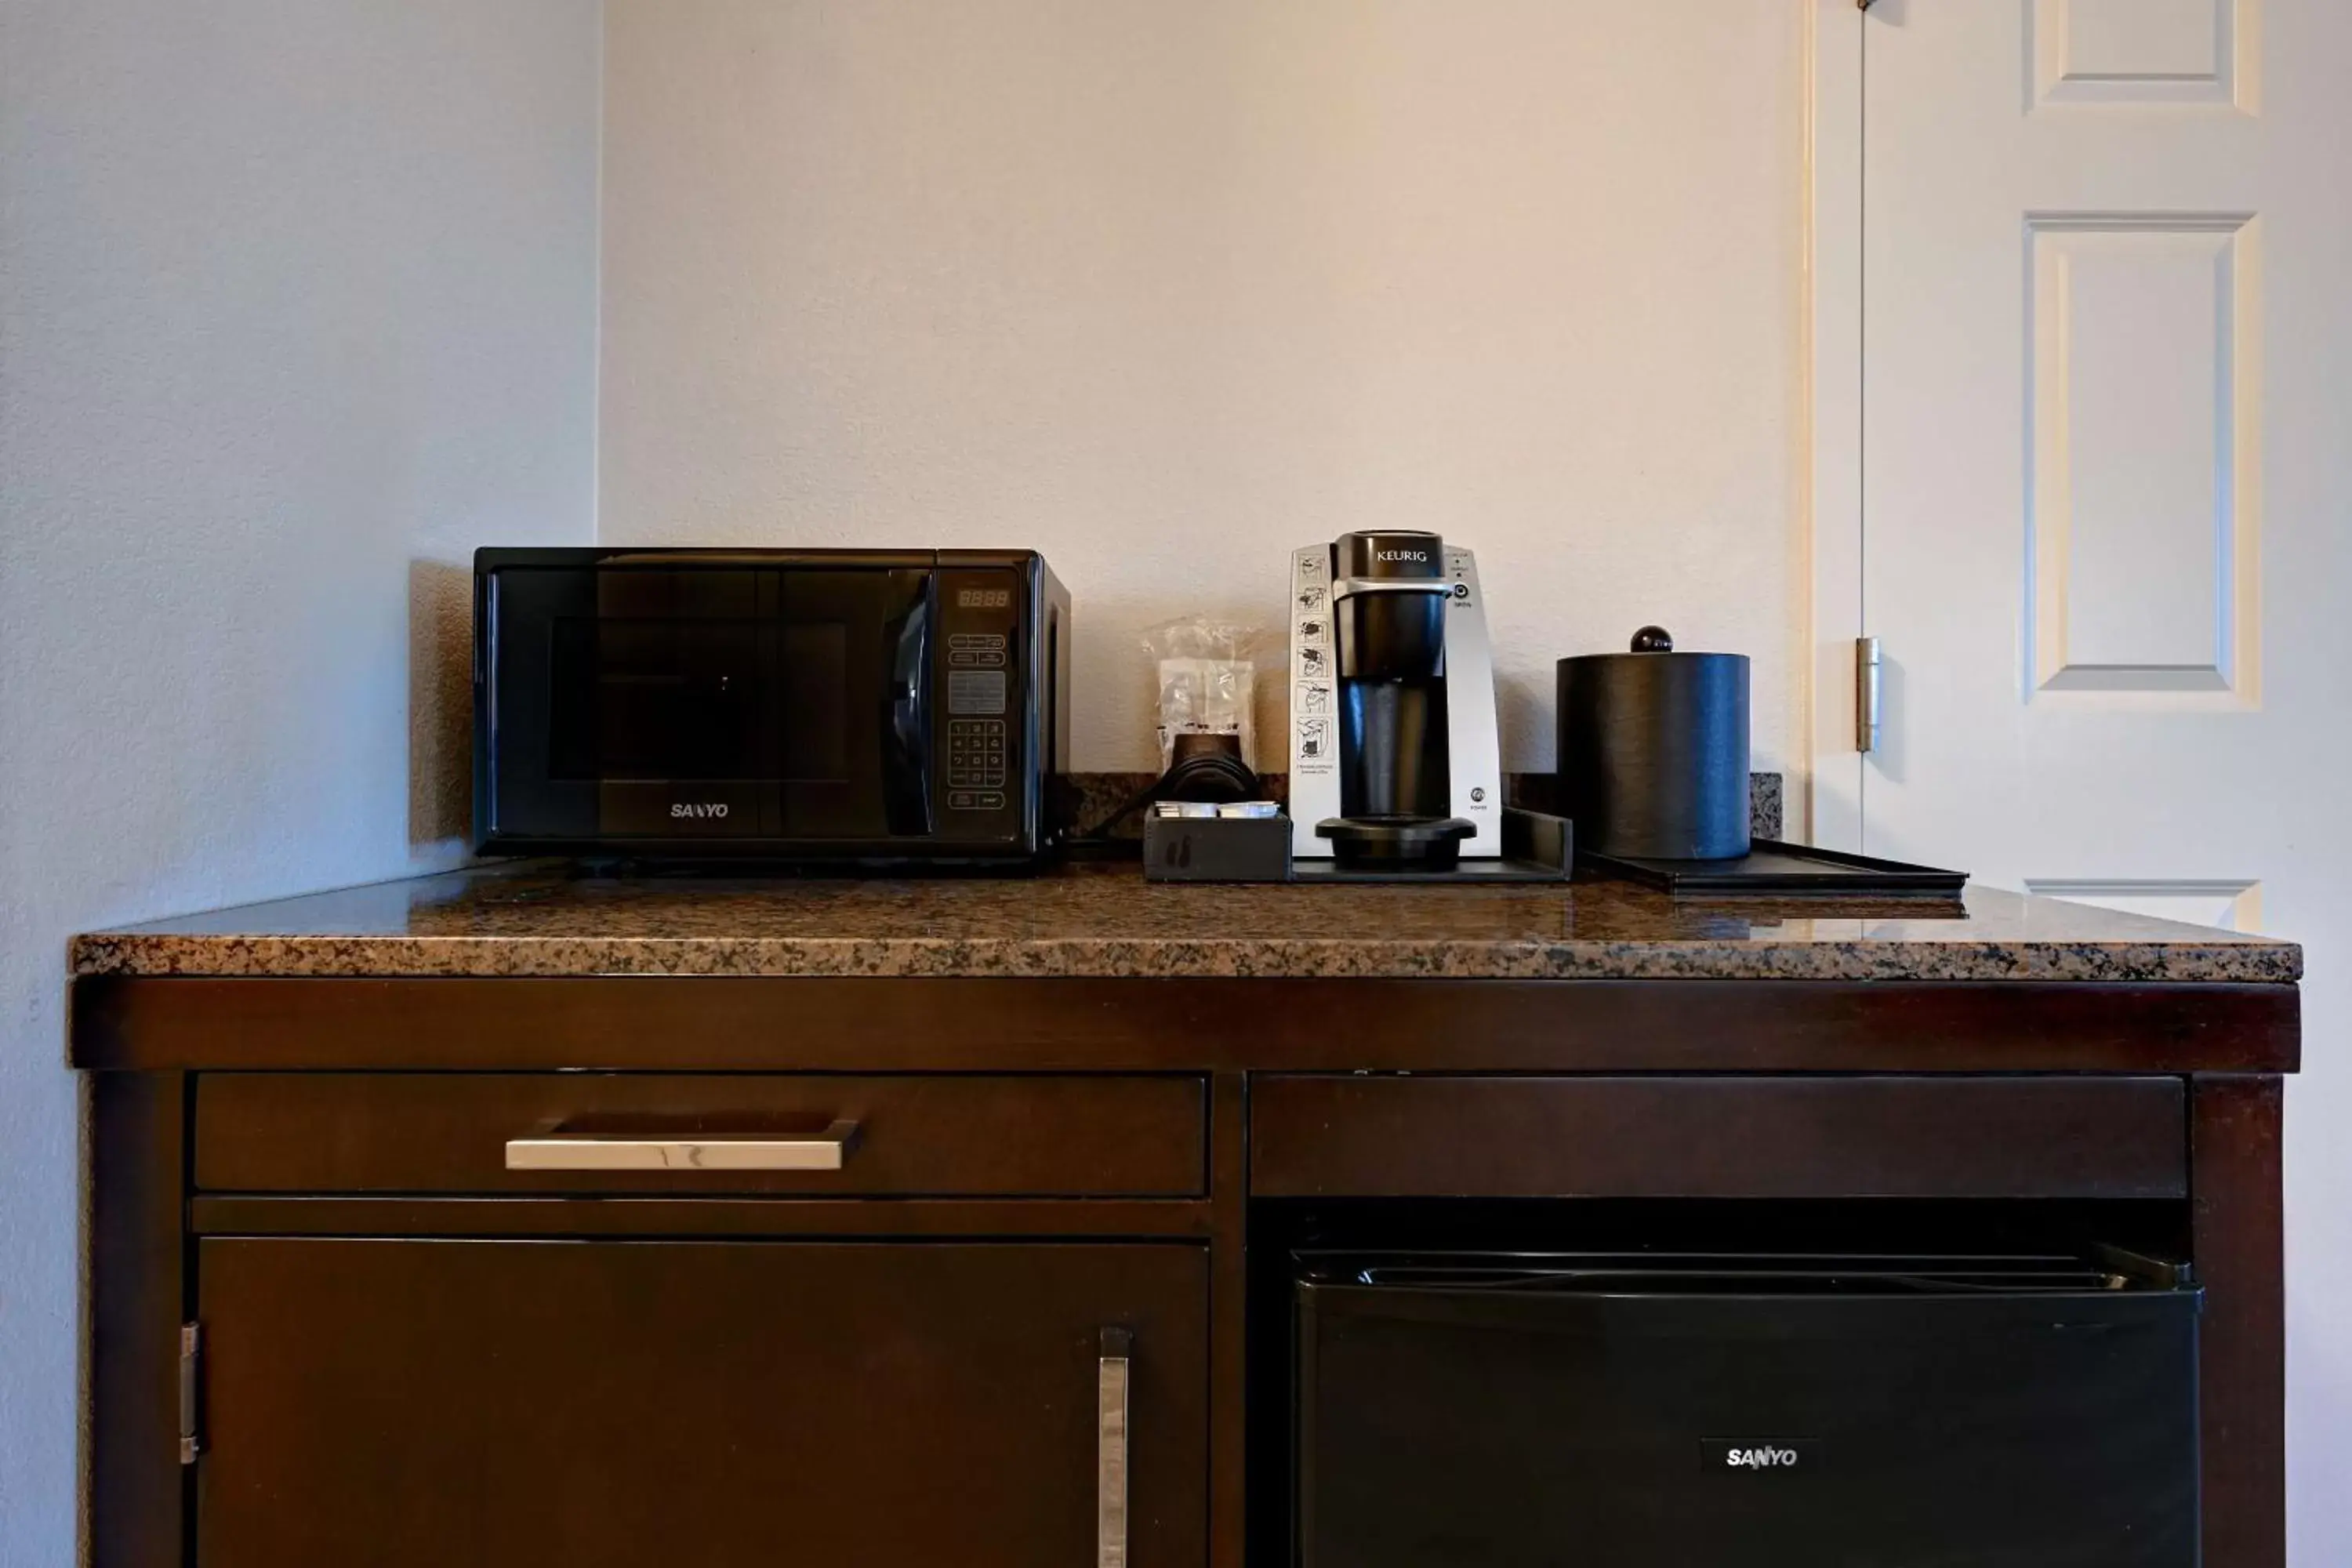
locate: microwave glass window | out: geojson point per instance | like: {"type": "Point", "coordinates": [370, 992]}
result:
{"type": "Point", "coordinates": [816, 702]}
{"type": "Point", "coordinates": [669, 698]}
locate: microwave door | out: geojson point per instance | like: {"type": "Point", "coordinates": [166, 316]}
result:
{"type": "Point", "coordinates": [848, 704]}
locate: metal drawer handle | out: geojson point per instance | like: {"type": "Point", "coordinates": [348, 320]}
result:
{"type": "Point", "coordinates": [1110, 1450]}
{"type": "Point", "coordinates": [826, 1151]}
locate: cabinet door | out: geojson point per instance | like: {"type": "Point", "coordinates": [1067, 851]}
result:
{"type": "Point", "coordinates": [584, 1403]}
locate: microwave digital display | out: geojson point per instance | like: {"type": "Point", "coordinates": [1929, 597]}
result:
{"type": "Point", "coordinates": [984, 598]}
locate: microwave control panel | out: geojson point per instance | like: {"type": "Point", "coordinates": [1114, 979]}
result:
{"type": "Point", "coordinates": [986, 729]}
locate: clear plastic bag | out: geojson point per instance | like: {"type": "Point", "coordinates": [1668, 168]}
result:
{"type": "Point", "coordinates": [1207, 673]}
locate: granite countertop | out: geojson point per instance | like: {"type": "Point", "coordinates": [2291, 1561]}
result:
{"type": "Point", "coordinates": [1104, 920]}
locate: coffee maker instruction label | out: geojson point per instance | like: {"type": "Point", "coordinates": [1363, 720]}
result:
{"type": "Point", "coordinates": [1314, 665]}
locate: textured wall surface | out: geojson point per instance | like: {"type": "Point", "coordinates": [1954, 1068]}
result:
{"type": "Point", "coordinates": [1167, 289]}
{"type": "Point", "coordinates": [297, 305]}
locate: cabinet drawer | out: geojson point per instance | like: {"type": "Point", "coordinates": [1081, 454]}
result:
{"type": "Point", "coordinates": [1719, 1137]}
{"type": "Point", "coordinates": [938, 1135]}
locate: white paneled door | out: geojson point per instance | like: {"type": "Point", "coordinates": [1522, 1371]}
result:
{"type": "Point", "coordinates": [2106, 414]}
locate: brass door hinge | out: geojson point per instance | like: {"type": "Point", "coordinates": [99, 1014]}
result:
{"type": "Point", "coordinates": [1867, 693]}
{"type": "Point", "coordinates": [190, 1352]}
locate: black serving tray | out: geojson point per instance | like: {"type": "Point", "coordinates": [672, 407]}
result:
{"type": "Point", "coordinates": [1774, 867]}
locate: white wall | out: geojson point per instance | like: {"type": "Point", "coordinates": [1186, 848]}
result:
{"type": "Point", "coordinates": [1166, 289]}
{"type": "Point", "coordinates": [297, 306]}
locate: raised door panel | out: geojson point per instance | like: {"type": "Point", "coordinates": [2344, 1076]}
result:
{"type": "Point", "coordinates": [2142, 572]}
{"type": "Point", "coordinates": [2141, 52]}
{"type": "Point", "coordinates": [609, 1404]}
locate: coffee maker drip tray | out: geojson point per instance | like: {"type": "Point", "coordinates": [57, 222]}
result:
{"type": "Point", "coordinates": [1395, 843]}
{"type": "Point", "coordinates": [1537, 847]}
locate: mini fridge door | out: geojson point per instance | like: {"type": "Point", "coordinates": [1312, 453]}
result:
{"type": "Point", "coordinates": [1663, 1413]}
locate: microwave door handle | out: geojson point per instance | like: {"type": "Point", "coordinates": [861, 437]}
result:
{"type": "Point", "coordinates": [907, 737]}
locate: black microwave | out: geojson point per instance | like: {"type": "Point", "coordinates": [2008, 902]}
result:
{"type": "Point", "coordinates": [885, 707]}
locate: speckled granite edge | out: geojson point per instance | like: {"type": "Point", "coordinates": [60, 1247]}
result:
{"type": "Point", "coordinates": [1860, 958]}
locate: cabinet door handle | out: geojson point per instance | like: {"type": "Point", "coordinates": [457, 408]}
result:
{"type": "Point", "coordinates": [1110, 1450]}
{"type": "Point", "coordinates": [826, 1151]}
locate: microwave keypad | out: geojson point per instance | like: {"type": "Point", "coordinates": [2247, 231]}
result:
{"type": "Point", "coordinates": [976, 651]}
{"type": "Point", "coordinates": [982, 674]}
{"type": "Point", "coordinates": [976, 764]}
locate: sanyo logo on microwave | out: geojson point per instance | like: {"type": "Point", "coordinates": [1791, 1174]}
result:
{"type": "Point", "coordinates": [1758, 1455]}
{"type": "Point", "coordinates": [1764, 1459]}
{"type": "Point", "coordinates": [711, 809]}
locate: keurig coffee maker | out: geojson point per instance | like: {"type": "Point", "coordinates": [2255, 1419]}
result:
{"type": "Point", "coordinates": [1394, 758]}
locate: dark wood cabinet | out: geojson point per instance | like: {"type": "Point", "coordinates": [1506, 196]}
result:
{"type": "Point", "coordinates": [411, 1353]}
{"type": "Point", "coordinates": [608, 1404]}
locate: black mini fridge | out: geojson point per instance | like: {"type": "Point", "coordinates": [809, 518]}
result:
{"type": "Point", "coordinates": [1562, 1411]}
